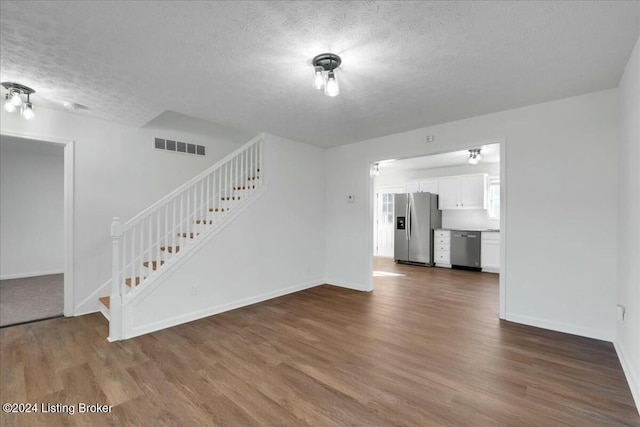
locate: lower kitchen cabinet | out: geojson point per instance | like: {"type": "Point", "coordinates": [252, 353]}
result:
{"type": "Point", "coordinates": [442, 248]}
{"type": "Point", "coordinates": [490, 251]}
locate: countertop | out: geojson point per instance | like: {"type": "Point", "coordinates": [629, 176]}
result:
{"type": "Point", "coordinates": [486, 230]}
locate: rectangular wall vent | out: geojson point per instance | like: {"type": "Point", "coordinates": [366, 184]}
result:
{"type": "Point", "coordinates": [179, 147]}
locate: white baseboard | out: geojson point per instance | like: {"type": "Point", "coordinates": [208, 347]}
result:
{"type": "Point", "coordinates": [347, 285]}
{"type": "Point", "coordinates": [630, 374]}
{"type": "Point", "coordinates": [559, 327]}
{"type": "Point", "coordinates": [33, 274]}
{"type": "Point", "coordinates": [189, 317]}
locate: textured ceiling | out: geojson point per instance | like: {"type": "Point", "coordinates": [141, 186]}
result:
{"type": "Point", "coordinates": [247, 64]}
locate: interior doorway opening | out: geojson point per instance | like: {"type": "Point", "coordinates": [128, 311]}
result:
{"type": "Point", "coordinates": [37, 228]}
{"type": "Point", "coordinates": [470, 188]}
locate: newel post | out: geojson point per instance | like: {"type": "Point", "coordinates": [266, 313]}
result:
{"type": "Point", "coordinates": [115, 309]}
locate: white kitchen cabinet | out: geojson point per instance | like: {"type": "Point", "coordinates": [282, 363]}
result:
{"type": "Point", "coordinates": [413, 187]}
{"type": "Point", "coordinates": [448, 195]}
{"type": "Point", "coordinates": [490, 251]}
{"type": "Point", "coordinates": [442, 248]}
{"type": "Point", "coordinates": [463, 192]}
{"type": "Point", "coordinates": [429, 186]}
{"type": "Point", "coordinates": [423, 186]}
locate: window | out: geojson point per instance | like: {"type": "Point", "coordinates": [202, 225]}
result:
{"type": "Point", "coordinates": [494, 198]}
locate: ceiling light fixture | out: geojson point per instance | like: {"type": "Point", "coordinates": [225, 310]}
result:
{"type": "Point", "coordinates": [14, 99]}
{"type": "Point", "coordinates": [375, 170]}
{"type": "Point", "coordinates": [326, 62]}
{"type": "Point", "coordinates": [474, 156]}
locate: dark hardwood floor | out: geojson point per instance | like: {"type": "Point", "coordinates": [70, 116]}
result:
{"type": "Point", "coordinates": [426, 348]}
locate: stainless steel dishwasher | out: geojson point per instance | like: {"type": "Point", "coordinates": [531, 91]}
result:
{"type": "Point", "coordinates": [465, 249]}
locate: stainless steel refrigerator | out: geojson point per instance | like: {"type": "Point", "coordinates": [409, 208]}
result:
{"type": "Point", "coordinates": [416, 216]}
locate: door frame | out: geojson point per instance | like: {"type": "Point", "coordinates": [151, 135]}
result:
{"type": "Point", "coordinates": [503, 211]}
{"type": "Point", "coordinates": [69, 166]}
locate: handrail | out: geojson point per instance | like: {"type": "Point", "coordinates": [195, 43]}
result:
{"type": "Point", "coordinates": [189, 183]}
{"type": "Point", "coordinates": [170, 226]}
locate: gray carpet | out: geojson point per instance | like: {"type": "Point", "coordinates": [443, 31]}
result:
{"type": "Point", "coordinates": [31, 298]}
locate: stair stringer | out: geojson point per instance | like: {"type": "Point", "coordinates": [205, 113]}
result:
{"type": "Point", "coordinates": [178, 259]}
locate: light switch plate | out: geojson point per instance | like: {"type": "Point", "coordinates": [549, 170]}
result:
{"type": "Point", "coordinates": [351, 198]}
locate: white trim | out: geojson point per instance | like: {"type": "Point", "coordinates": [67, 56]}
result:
{"type": "Point", "coordinates": [559, 327]}
{"type": "Point", "coordinates": [503, 217]}
{"type": "Point", "coordinates": [69, 283]}
{"type": "Point", "coordinates": [69, 167]}
{"type": "Point", "coordinates": [632, 379]}
{"type": "Point", "coordinates": [502, 280]}
{"type": "Point", "coordinates": [195, 315]}
{"type": "Point", "coordinates": [181, 257]}
{"type": "Point", "coordinates": [32, 274]}
{"type": "Point", "coordinates": [372, 229]}
{"type": "Point", "coordinates": [346, 285]}
{"type": "Point", "coordinates": [192, 181]}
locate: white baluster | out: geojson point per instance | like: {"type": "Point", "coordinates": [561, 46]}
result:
{"type": "Point", "coordinates": [150, 242]}
{"type": "Point", "coordinates": [115, 300]}
{"type": "Point", "coordinates": [166, 231]}
{"type": "Point", "coordinates": [206, 212]}
{"type": "Point", "coordinates": [157, 237]}
{"type": "Point", "coordinates": [133, 257]}
{"type": "Point", "coordinates": [174, 224]}
{"type": "Point", "coordinates": [195, 206]}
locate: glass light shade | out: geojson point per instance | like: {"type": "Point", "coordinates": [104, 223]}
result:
{"type": "Point", "coordinates": [27, 111]}
{"type": "Point", "coordinates": [331, 88]}
{"type": "Point", "coordinates": [478, 156]}
{"type": "Point", "coordinates": [473, 160]}
{"type": "Point", "coordinates": [16, 98]}
{"type": "Point", "coordinates": [8, 105]}
{"type": "Point", "coordinates": [318, 79]}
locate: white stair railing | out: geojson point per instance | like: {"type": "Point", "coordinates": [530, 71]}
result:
{"type": "Point", "coordinates": [142, 245]}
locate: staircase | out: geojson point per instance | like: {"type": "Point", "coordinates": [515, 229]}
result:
{"type": "Point", "coordinates": [150, 244]}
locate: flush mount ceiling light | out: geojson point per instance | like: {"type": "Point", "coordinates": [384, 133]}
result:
{"type": "Point", "coordinates": [326, 62]}
{"type": "Point", "coordinates": [14, 99]}
{"type": "Point", "coordinates": [474, 156]}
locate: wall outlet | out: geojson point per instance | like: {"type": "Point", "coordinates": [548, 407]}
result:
{"type": "Point", "coordinates": [429, 138]}
{"type": "Point", "coordinates": [351, 198]}
{"type": "Point", "coordinates": [195, 289]}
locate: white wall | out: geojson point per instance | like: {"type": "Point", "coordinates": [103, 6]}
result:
{"type": "Point", "coordinates": [274, 247]}
{"type": "Point", "coordinates": [117, 173]}
{"type": "Point", "coordinates": [461, 219]}
{"type": "Point", "coordinates": [628, 295]}
{"type": "Point", "coordinates": [560, 199]}
{"type": "Point", "coordinates": [31, 208]}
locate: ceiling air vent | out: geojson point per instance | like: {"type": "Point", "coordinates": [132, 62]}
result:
{"type": "Point", "coordinates": [179, 147]}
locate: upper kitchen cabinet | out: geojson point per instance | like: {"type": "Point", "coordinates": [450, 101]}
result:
{"type": "Point", "coordinates": [423, 186]}
{"type": "Point", "coordinates": [429, 186]}
{"type": "Point", "coordinates": [463, 192]}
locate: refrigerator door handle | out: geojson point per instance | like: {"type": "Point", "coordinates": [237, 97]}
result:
{"type": "Point", "coordinates": [406, 215]}
{"type": "Point", "coordinates": [409, 217]}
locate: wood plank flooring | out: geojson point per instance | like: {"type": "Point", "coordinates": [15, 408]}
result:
{"type": "Point", "coordinates": [426, 348]}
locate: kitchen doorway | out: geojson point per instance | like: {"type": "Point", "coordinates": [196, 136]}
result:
{"type": "Point", "coordinates": [471, 191]}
